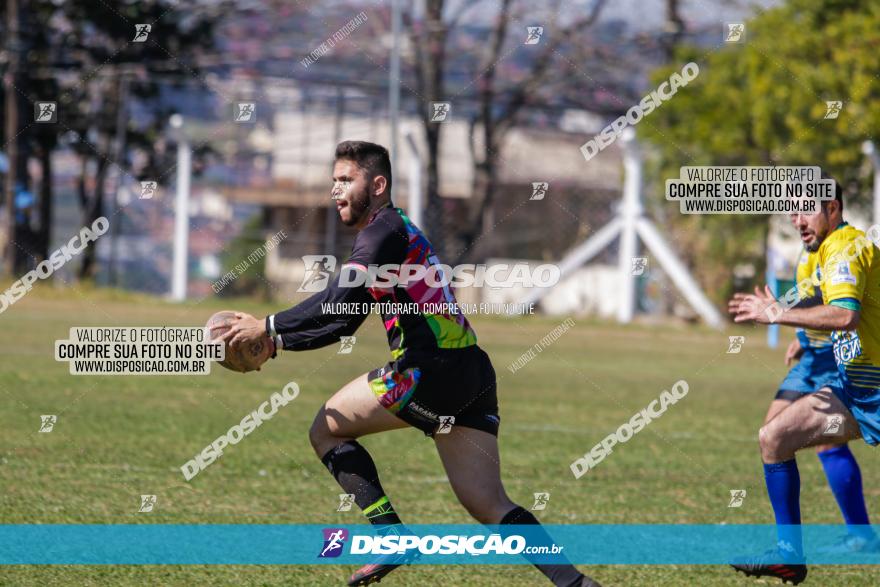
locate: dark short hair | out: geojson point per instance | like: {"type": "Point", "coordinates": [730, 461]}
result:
{"type": "Point", "coordinates": [838, 190]}
{"type": "Point", "coordinates": [370, 157]}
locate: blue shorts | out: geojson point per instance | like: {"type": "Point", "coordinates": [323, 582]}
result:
{"type": "Point", "coordinates": [815, 370]}
{"type": "Point", "coordinates": [864, 406]}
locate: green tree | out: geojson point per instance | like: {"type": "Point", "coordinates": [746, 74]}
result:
{"type": "Point", "coordinates": [83, 56]}
{"type": "Point", "coordinates": [763, 102]}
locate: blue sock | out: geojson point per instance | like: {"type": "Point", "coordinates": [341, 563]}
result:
{"type": "Point", "coordinates": [845, 479]}
{"type": "Point", "coordinates": [784, 488]}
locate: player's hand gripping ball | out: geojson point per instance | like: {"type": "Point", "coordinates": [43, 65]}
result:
{"type": "Point", "coordinates": [245, 356]}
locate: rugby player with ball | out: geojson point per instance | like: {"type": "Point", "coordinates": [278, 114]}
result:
{"type": "Point", "coordinates": [437, 369]}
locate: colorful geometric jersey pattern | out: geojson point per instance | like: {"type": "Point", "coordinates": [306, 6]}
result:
{"type": "Point", "coordinates": [425, 329]}
{"type": "Point", "coordinates": [394, 389]}
{"type": "Point", "coordinates": [389, 238]}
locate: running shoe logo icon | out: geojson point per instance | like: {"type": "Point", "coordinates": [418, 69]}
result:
{"type": "Point", "coordinates": [147, 503]}
{"type": "Point", "coordinates": [735, 32]}
{"type": "Point", "coordinates": [534, 34]}
{"type": "Point", "coordinates": [45, 112]}
{"type": "Point", "coordinates": [541, 500]}
{"type": "Point", "coordinates": [148, 189]}
{"type": "Point", "coordinates": [832, 109]}
{"type": "Point", "coordinates": [340, 188]}
{"type": "Point", "coordinates": [735, 344]}
{"type": "Point", "coordinates": [539, 190]}
{"type": "Point", "coordinates": [737, 496]}
{"type": "Point", "coordinates": [245, 112]}
{"type": "Point", "coordinates": [346, 500]}
{"type": "Point", "coordinates": [318, 271]}
{"type": "Point", "coordinates": [834, 424]}
{"type": "Point", "coordinates": [346, 345]}
{"type": "Point", "coordinates": [639, 264]}
{"type": "Point", "coordinates": [446, 423]}
{"type": "Point", "coordinates": [334, 539]}
{"type": "Point", "coordinates": [47, 422]}
{"type": "Point", "coordinates": [141, 32]}
{"type": "Point", "coordinates": [439, 111]}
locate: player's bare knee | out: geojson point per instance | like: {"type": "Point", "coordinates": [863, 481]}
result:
{"type": "Point", "coordinates": [319, 435]}
{"type": "Point", "coordinates": [764, 436]}
{"type": "Point", "coordinates": [769, 440]}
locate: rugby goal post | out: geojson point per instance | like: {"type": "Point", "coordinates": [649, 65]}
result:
{"type": "Point", "coordinates": [630, 225]}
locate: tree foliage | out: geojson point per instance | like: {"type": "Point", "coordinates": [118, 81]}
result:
{"type": "Point", "coordinates": [82, 55]}
{"type": "Point", "coordinates": [763, 102]}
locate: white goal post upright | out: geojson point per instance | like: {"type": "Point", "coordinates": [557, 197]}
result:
{"type": "Point", "coordinates": [630, 224]}
{"type": "Point", "coordinates": [870, 149]}
{"type": "Point", "coordinates": [629, 212]}
{"type": "Point", "coordinates": [180, 260]}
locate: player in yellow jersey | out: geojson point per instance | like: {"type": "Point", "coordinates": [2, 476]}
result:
{"type": "Point", "coordinates": [848, 276]}
{"type": "Point", "coordinates": [813, 354]}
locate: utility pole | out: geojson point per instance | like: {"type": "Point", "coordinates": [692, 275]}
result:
{"type": "Point", "coordinates": [415, 203]}
{"type": "Point", "coordinates": [9, 79]}
{"type": "Point", "coordinates": [181, 210]}
{"type": "Point", "coordinates": [330, 215]}
{"type": "Point", "coordinates": [394, 79]}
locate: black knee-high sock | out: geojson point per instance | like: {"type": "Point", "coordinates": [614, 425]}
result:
{"type": "Point", "coordinates": [354, 470]}
{"type": "Point", "coordinates": [561, 575]}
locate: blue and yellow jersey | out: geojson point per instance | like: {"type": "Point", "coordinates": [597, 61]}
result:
{"type": "Point", "coordinates": [806, 276]}
{"type": "Point", "coordinates": [850, 278]}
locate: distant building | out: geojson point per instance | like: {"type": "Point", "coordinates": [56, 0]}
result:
{"type": "Point", "coordinates": [302, 141]}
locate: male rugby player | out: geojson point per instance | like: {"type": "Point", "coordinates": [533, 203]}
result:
{"type": "Point", "coordinates": [437, 369]}
{"type": "Point", "coordinates": [843, 409]}
{"type": "Point", "coordinates": [816, 368]}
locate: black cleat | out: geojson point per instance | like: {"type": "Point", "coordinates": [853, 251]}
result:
{"type": "Point", "coordinates": [769, 565]}
{"type": "Point", "coordinates": [375, 572]}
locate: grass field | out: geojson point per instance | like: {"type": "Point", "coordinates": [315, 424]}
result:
{"type": "Point", "coordinates": [118, 437]}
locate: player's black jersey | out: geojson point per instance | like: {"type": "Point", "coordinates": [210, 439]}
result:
{"type": "Point", "coordinates": [419, 314]}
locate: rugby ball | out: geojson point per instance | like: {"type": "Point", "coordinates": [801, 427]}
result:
{"type": "Point", "coordinates": [243, 357]}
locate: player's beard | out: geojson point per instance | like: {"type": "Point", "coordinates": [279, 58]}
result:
{"type": "Point", "coordinates": [817, 242]}
{"type": "Point", "coordinates": [358, 206]}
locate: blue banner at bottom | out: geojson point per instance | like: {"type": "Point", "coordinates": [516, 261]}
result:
{"type": "Point", "coordinates": [278, 544]}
